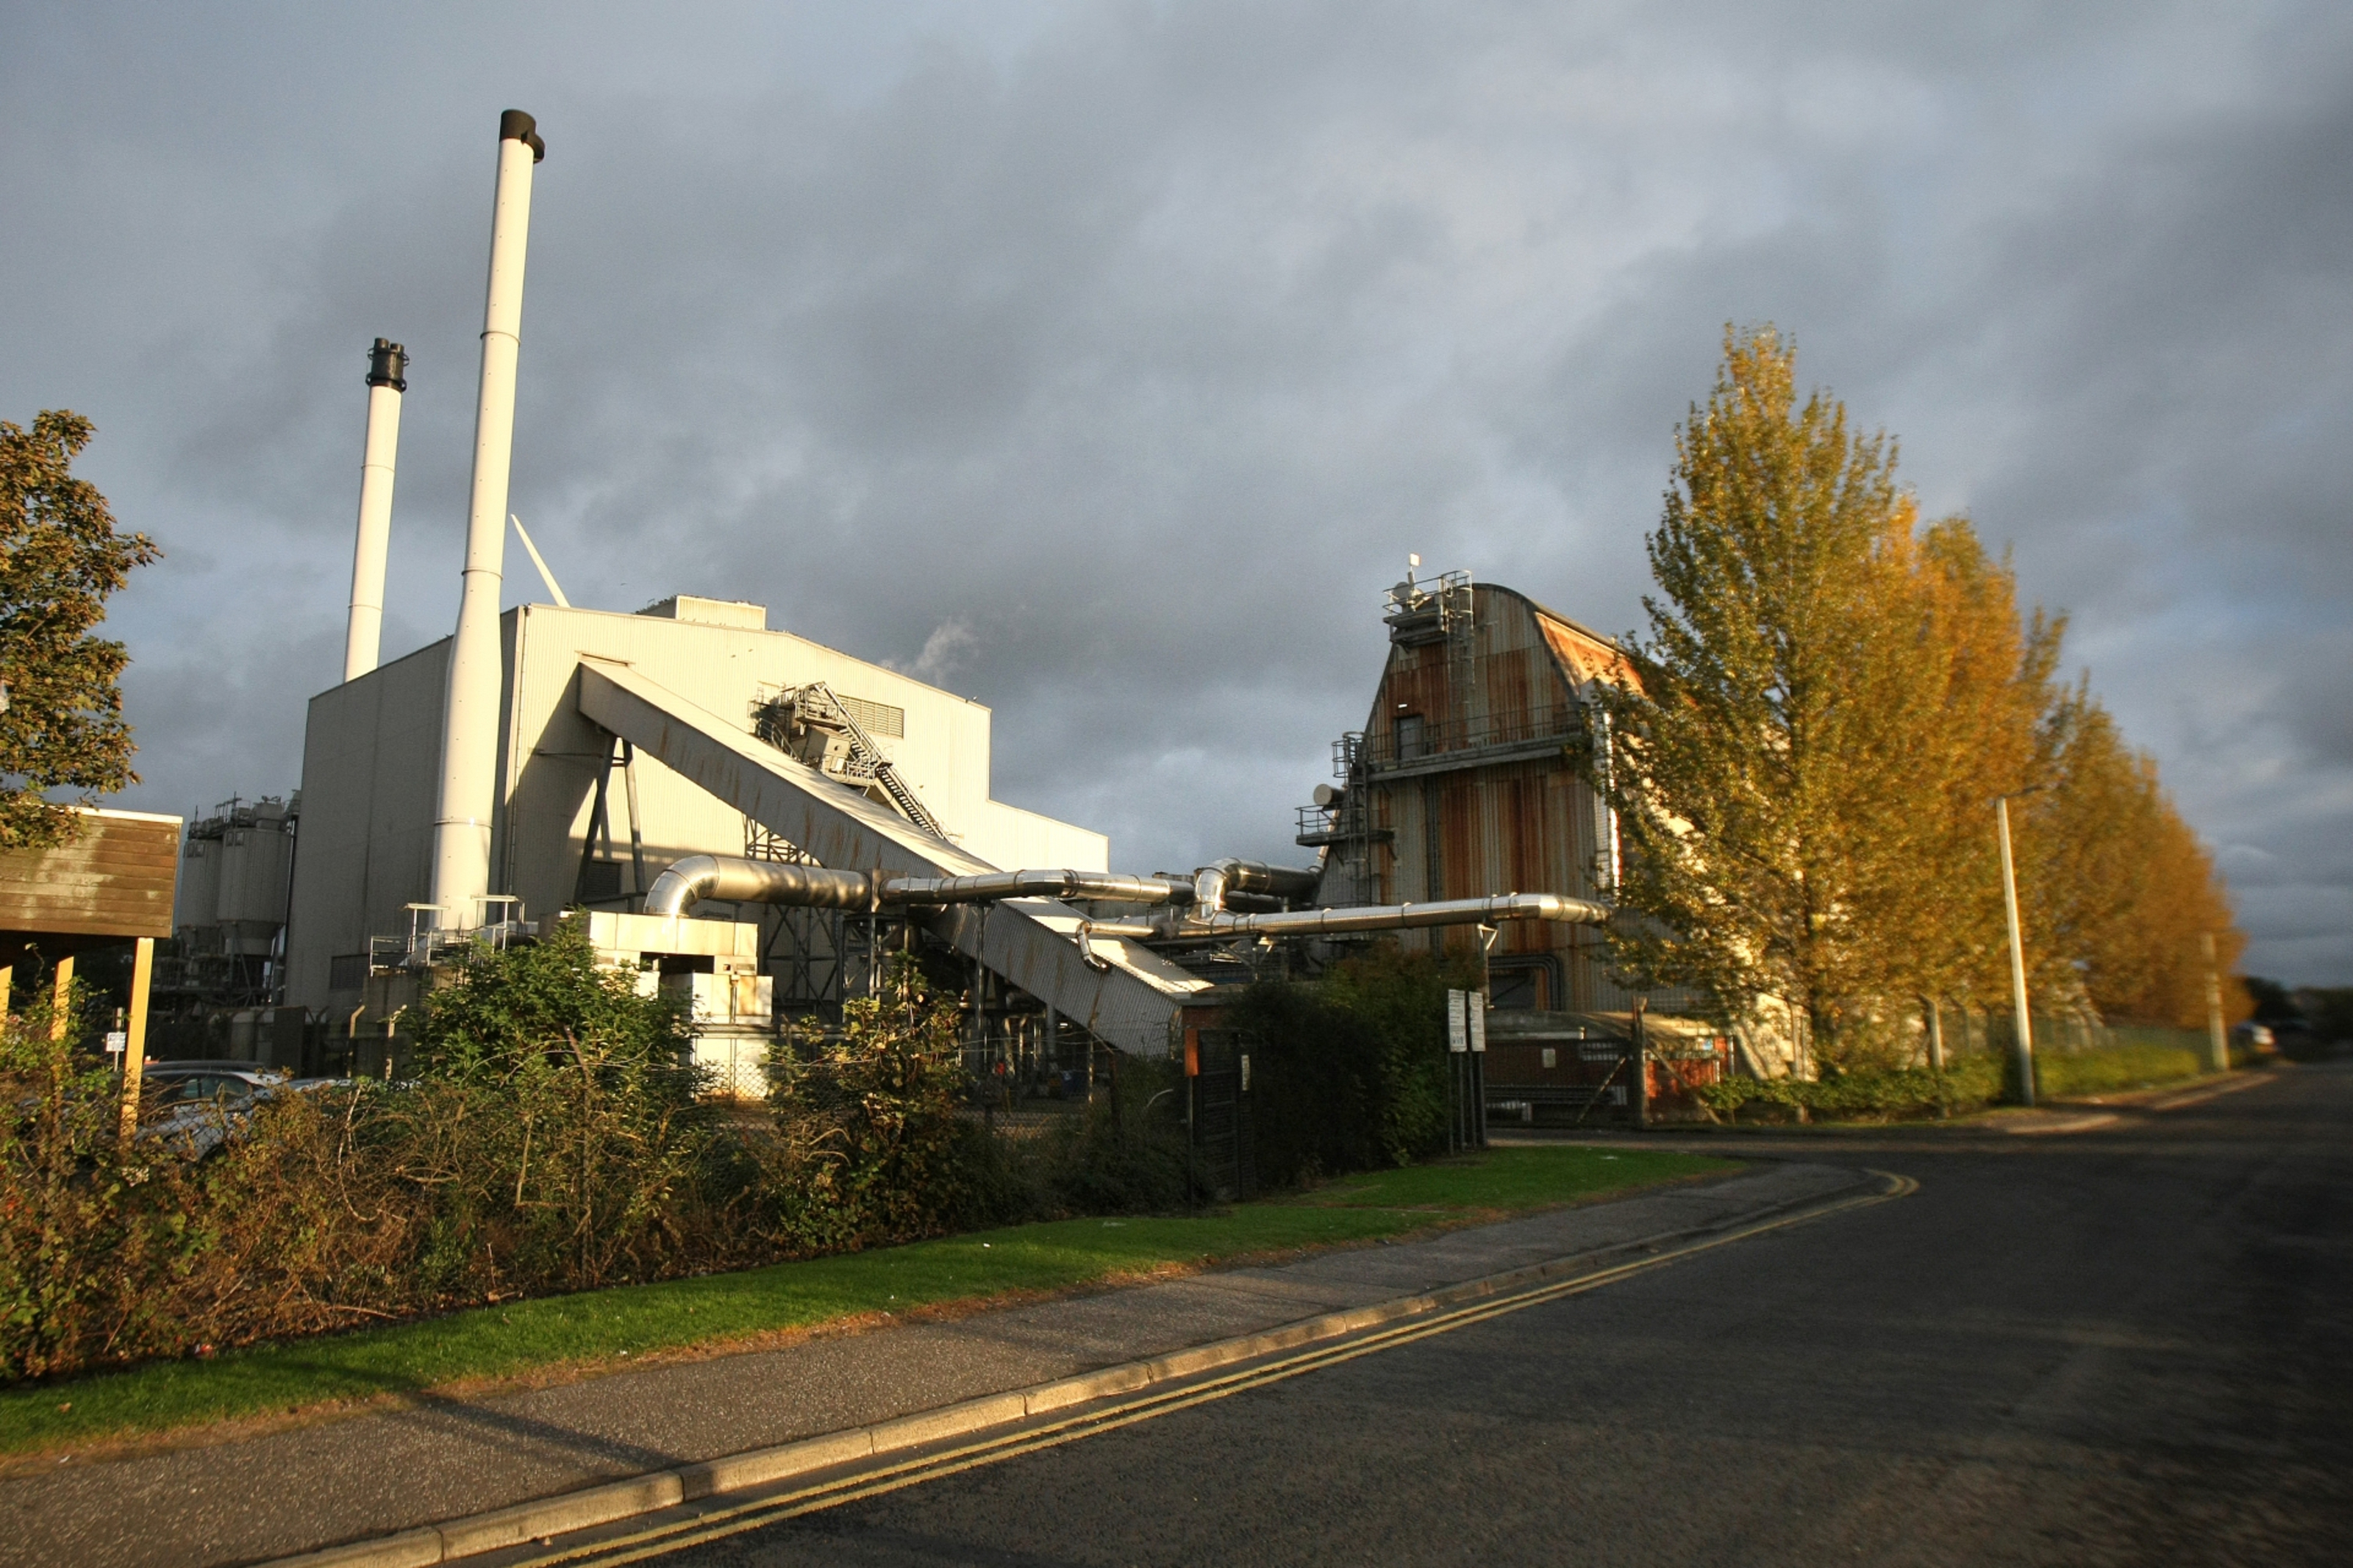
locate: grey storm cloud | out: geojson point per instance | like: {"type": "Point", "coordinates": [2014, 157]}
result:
{"type": "Point", "coordinates": [1102, 362]}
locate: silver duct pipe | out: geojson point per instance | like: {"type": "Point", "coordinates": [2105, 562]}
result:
{"type": "Point", "coordinates": [732, 880]}
{"type": "Point", "coordinates": [1212, 882]}
{"type": "Point", "coordinates": [1032, 885]}
{"type": "Point", "coordinates": [469, 719]}
{"type": "Point", "coordinates": [388, 379]}
{"type": "Point", "coordinates": [1401, 917]}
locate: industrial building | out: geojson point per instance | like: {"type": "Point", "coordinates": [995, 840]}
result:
{"type": "Point", "coordinates": [220, 981]}
{"type": "Point", "coordinates": [1472, 776]}
{"type": "Point", "coordinates": [747, 817]}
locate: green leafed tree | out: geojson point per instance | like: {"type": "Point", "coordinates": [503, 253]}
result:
{"type": "Point", "coordinates": [60, 558]}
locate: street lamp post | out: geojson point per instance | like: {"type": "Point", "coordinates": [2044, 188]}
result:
{"type": "Point", "coordinates": [2025, 1048]}
{"type": "Point", "coordinates": [2218, 1043]}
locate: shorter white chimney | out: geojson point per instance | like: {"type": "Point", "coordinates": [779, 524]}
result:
{"type": "Point", "coordinates": [388, 379]}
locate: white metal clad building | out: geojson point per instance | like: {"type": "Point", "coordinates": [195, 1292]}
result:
{"type": "Point", "coordinates": [371, 765]}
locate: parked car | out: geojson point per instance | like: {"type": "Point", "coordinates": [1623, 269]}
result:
{"type": "Point", "coordinates": [199, 1103]}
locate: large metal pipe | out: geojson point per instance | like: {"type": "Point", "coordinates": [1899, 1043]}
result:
{"type": "Point", "coordinates": [1401, 917]}
{"type": "Point", "coordinates": [1212, 882]}
{"type": "Point", "coordinates": [469, 719]}
{"type": "Point", "coordinates": [388, 379]}
{"type": "Point", "coordinates": [1065, 885]}
{"type": "Point", "coordinates": [732, 880]}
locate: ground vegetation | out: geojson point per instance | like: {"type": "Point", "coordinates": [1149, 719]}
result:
{"type": "Point", "coordinates": [554, 1139]}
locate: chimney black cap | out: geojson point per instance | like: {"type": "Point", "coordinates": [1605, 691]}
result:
{"type": "Point", "coordinates": [388, 365]}
{"type": "Point", "coordinates": [514, 125]}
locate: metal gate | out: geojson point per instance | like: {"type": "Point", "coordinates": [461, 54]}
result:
{"type": "Point", "coordinates": [1217, 1086]}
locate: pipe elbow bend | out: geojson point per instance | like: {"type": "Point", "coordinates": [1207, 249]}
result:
{"type": "Point", "coordinates": [676, 889]}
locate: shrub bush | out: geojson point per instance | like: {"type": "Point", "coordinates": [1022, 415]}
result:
{"type": "Point", "coordinates": [1877, 1095]}
{"type": "Point", "coordinates": [2127, 1064]}
{"type": "Point", "coordinates": [551, 1141]}
{"type": "Point", "coordinates": [869, 1145]}
{"type": "Point", "coordinates": [1349, 1073]}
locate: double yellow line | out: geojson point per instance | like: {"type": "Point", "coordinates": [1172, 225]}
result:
{"type": "Point", "coordinates": [710, 1524]}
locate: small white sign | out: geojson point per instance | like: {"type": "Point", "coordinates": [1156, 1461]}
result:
{"type": "Point", "coordinates": [117, 1042]}
{"type": "Point", "coordinates": [1478, 1005]}
{"type": "Point", "coordinates": [1458, 1026]}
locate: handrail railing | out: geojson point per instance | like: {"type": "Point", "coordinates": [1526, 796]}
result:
{"type": "Point", "coordinates": [1402, 744]}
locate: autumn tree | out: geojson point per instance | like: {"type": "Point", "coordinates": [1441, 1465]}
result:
{"type": "Point", "coordinates": [2118, 893]}
{"type": "Point", "coordinates": [1829, 698]}
{"type": "Point", "coordinates": [1988, 672]}
{"type": "Point", "coordinates": [1759, 764]}
{"type": "Point", "coordinates": [60, 559]}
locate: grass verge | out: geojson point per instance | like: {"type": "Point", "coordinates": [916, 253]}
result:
{"type": "Point", "coordinates": [487, 1343]}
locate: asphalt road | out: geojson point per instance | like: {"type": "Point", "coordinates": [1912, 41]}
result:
{"type": "Point", "coordinates": [2134, 1345]}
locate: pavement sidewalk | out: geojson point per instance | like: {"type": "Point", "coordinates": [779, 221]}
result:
{"type": "Point", "coordinates": [279, 1493]}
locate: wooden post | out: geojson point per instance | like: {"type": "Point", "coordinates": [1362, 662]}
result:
{"type": "Point", "coordinates": [1639, 1092]}
{"type": "Point", "coordinates": [60, 1008]}
{"type": "Point", "coordinates": [134, 1048]}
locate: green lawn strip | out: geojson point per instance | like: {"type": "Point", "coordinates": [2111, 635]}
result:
{"type": "Point", "coordinates": [489, 1343]}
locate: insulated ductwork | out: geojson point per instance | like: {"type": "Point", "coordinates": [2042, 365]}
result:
{"type": "Point", "coordinates": [997, 885]}
{"type": "Point", "coordinates": [469, 719]}
{"type": "Point", "coordinates": [1402, 917]}
{"type": "Point", "coordinates": [1212, 882]}
{"type": "Point", "coordinates": [388, 379]}
{"type": "Point", "coordinates": [732, 880]}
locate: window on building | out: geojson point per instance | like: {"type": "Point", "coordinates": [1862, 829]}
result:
{"type": "Point", "coordinates": [1520, 990]}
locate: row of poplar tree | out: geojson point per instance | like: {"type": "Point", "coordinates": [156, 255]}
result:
{"type": "Point", "coordinates": [1830, 697]}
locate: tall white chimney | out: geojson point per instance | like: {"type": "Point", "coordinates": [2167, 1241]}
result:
{"type": "Point", "coordinates": [388, 379]}
{"type": "Point", "coordinates": [470, 720]}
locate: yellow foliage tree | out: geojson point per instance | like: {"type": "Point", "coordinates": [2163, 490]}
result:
{"type": "Point", "coordinates": [1830, 701]}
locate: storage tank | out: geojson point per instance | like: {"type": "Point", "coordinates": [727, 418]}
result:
{"type": "Point", "coordinates": [195, 903]}
{"type": "Point", "coordinates": [254, 862]}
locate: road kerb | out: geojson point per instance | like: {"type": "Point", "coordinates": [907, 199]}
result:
{"type": "Point", "coordinates": [409, 1549]}
{"type": "Point", "coordinates": [615, 1500]}
{"type": "Point", "coordinates": [759, 1466]}
{"type": "Point", "coordinates": [558, 1515]}
{"type": "Point", "coordinates": [2084, 1122]}
{"type": "Point", "coordinates": [2212, 1091]}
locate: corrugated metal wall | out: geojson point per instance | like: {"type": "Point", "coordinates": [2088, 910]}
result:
{"type": "Point", "coordinates": [1522, 823]}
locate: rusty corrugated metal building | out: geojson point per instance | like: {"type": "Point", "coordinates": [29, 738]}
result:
{"type": "Point", "coordinates": [1469, 779]}
{"type": "Point", "coordinates": [1465, 781]}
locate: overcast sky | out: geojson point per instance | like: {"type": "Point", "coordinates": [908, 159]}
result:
{"type": "Point", "coordinates": [1103, 361]}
